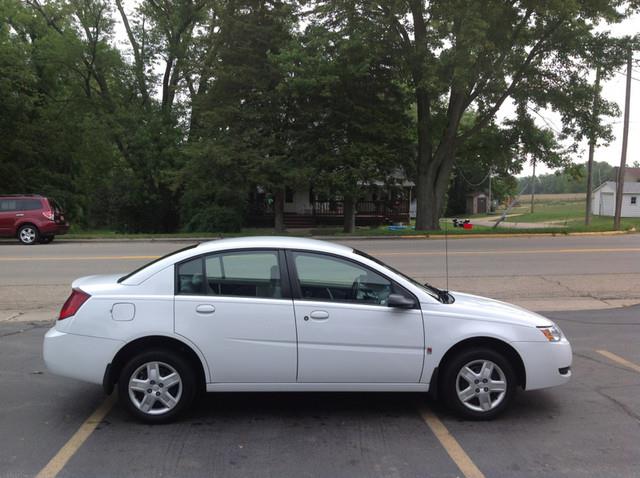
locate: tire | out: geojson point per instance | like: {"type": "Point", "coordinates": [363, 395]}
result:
{"type": "Point", "coordinates": [46, 239]}
{"type": "Point", "coordinates": [28, 234]}
{"type": "Point", "coordinates": [468, 398]}
{"type": "Point", "coordinates": [149, 400]}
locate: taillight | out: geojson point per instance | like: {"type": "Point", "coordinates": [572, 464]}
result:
{"type": "Point", "coordinates": [73, 303]}
{"type": "Point", "coordinates": [48, 214]}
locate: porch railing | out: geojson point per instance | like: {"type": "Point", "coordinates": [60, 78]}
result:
{"type": "Point", "coordinates": [363, 208]}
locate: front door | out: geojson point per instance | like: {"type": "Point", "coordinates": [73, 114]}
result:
{"type": "Point", "coordinates": [237, 309]}
{"type": "Point", "coordinates": [346, 331]}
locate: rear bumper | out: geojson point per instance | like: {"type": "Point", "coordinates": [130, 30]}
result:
{"type": "Point", "coordinates": [53, 228]}
{"type": "Point", "coordinates": [546, 364]}
{"type": "Point", "coordinates": [78, 356]}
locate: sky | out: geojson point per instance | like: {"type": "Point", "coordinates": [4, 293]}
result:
{"type": "Point", "coordinates": [612, 90]}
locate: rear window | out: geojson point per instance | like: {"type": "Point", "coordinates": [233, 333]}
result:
{"type": "Point", "coordinates": [124, 278]}
{"type": "Point", "coordinates": [55, 205]}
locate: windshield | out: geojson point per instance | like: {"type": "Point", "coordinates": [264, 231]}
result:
{"type": "Point", "coordinates": [429, 289]}
{"type": "Point", "coordinates": [124, 278]}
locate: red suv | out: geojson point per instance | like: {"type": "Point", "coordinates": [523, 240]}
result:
{"type": "Point", "coordinates": [31, 218]}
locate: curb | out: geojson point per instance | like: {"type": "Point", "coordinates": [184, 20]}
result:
{"type": "Point", "coordinates": [361, 238]}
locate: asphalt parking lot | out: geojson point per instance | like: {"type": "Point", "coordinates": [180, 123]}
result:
{"type": "Point", "coordinates": [588, 428]}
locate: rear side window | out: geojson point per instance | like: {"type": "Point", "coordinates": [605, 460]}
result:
{"type": "Point", "coordinates": [29, 204]}
{"type": "Point", "coordinates": [236, 274]}
{"type": "Point", "coordinates": [190, 277]}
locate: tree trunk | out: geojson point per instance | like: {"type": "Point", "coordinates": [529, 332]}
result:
{"type": "Point", "coordinates": [349, 214]}
{"type": "Point", "coordinates": [278, 211]}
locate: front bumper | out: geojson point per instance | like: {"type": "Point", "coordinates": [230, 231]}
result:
{"type": "Point", "coordinates": [547, 364]}
{"type": "Point", "coordinates": [78, 356]}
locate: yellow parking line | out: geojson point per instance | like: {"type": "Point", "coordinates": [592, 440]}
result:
{"type": "Point", "coordinates": [500, 252]}
{"type": "Point", "coordinates": [620, 360]}
{"type": "Point", "coordinates": [451, 445]}
{"type": "Point", "coordinates": [75, 442]}
{"type": "Point", "coordinates": [76, 258]}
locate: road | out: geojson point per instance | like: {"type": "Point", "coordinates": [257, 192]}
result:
{"type": "Point", "coordinates": [540, 273]}
{"type": "Point", "coordinates": [588, 428]}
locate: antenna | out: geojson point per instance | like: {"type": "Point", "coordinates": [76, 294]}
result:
{"type": "Point", "coordinates": [446, 254]}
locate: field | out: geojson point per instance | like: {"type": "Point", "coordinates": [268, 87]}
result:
{"type": "Point", "coordinates": [563, 210]}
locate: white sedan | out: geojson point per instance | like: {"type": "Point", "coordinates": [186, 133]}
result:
{"type": "Point", "coordinates": [287, 314]}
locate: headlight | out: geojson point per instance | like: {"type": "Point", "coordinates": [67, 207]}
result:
{"type": "Point", "coordinates": [551, 332]}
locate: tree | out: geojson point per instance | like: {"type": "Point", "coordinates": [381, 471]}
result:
{"type": "Point", "coordinates": [244, 121]}
{"type": "Point", "coordinates": [464, 55]}
{"type": "Point", "coordinates": [351, 123]}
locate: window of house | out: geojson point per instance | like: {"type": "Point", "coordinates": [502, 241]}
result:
{"type": "Point", "coordinates": [323, 277]}
{"type": "Point", "coordinates": [288, 195]}
{"type": "Point", "coordinates": [634, 199]}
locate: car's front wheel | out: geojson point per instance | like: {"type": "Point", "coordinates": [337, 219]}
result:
{"type": "Point", "coordinates": [157, 385]}
{"type": "Point", "coordinates": [478, 383]}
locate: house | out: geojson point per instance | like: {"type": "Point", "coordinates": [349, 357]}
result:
{"type": "Point", "coordinates": [603, 201]}
{"type": "Point", "coordinates": [379, 203]}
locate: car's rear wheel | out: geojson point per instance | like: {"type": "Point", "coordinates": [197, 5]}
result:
{"type": "Point", "coordinates": [46, 239]}
{"type": "Point", "coordinates": [478, 383]}
{"type": "Point", "coordinates": [157, 385]}
{"type": "Point", "coordinates": [28, 234]}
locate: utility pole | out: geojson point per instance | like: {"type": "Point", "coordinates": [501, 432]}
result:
{"type": "Point", "coordinates": [490, 200]}
{"type": "Point", "coordinates": [533, 184]}
{"type": "Point", "coordinates": [592, 147]}
{"type": "Point", "coordinates": [625, 140]}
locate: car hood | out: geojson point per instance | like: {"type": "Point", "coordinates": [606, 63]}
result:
{"type": "Point", "coordinates": [482, 308]}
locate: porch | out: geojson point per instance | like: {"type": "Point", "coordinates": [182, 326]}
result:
{"type": "Point", "coordinates": [331, 212]}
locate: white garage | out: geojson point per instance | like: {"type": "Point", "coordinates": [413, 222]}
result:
{"type": "Point", "coordinates": [604, 199]}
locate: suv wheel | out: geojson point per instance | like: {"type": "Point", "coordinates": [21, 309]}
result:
{"type": "Point", "coordinates": [478, 384]}
{"type": "Point", "coordinates": [157, 385]}
{"type": "Point", "coordinates": [28, 234]}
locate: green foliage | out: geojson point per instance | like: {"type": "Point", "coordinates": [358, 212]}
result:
{"type": "Point", "coordinates": [569, 180]}
{"type": "Point", "coordinates": [208, 100]}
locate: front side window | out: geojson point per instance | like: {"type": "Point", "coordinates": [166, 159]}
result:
{"type": "Point", "coordinates": [8, 205]}
{"type": "Point", "coordinates": [324, 277]}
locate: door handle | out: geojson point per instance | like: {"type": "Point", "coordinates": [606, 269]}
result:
{"type": "Point", "coordinates": [319, 315]}
{"type": "Point", "coordinates": [205, 309]}
{"type": "Point", "coordinates": [19, 214]}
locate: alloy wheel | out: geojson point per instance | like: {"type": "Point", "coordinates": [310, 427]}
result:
{"type": "Point", "coordinates": [28, 235]}
{"type": "Point", "coordinates": [481, 385]}
{"type": "Point", "coordinates": [155, 388]}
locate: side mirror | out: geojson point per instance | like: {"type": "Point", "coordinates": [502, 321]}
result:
{"type": "Point", "coordinates": [400, 301]}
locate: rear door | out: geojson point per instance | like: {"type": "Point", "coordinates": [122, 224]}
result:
{"type": "Point", "coordinates": [346, 331]}
{"type": "Point", "coordinates": [7, 216]}
{"type": "Point", "coordinates": [236, 307]}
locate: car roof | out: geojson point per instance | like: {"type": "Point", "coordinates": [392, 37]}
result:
{"type": "Point", "coordinates": [275, 242]}
{"type": "Point", "coordinates": [256, 242]}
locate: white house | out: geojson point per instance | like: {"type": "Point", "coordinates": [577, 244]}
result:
{"type": "Point", "coordinates": [604, 199]}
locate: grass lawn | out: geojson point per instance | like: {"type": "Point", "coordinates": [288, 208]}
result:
{"type": "Point", "coordinates": [566, 212]}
